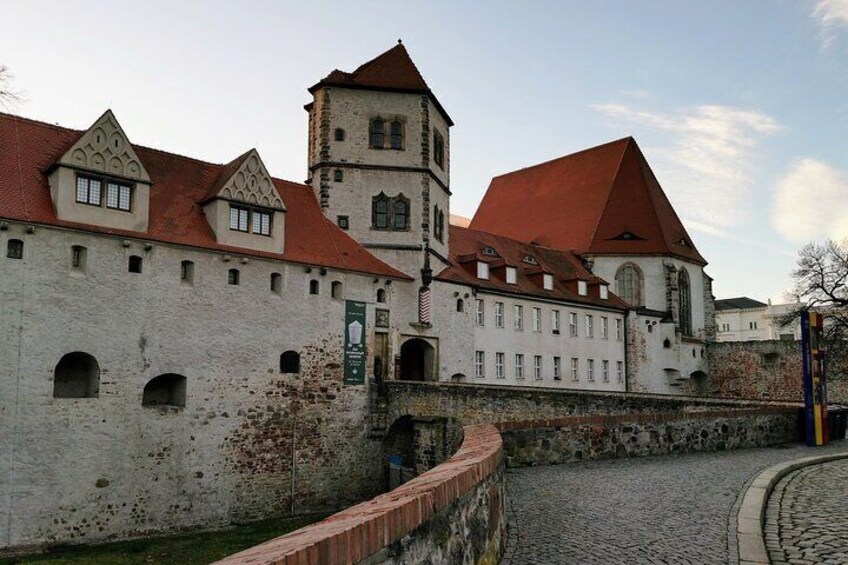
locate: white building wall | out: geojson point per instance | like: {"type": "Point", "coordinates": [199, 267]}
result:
{"type": "Point", "coordinates": [755, 324]}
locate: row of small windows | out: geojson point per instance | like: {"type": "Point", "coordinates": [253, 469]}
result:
{"type": "Point", "coordinates": [118, 195]}
{"type": "Point", "coordinates": [538, 367]}
{"type": "Point", "coordinates": [390, 213]}
{"type": "Point", "coordinates": [536, 320]}
{"type": "Point", "coordinates": [511, 277]}
{"type": "Point", "coordinates": [377, 134]}
{"type": "Point", "coordinates": [250, 220]}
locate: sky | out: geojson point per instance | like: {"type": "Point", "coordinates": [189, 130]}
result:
{"type": "Point", "coordinates": [741, 108]}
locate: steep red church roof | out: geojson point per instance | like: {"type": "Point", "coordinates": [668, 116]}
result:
{"type": "Point", "coordinates": [29, 148]}
{"type": "Point", "coordinates": [392, 70]}
{"type": "Point", "coordinates": [604, 200]}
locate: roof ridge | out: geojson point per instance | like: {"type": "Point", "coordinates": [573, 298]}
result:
{"type": "Point", "coordinates": [520, 242]}
{"type": "Point", "coordinates": [630, 141]}
{"type": "Point", "coordinates": [561, 157]}
{"type": "Point", "coordinates": [41, 123]}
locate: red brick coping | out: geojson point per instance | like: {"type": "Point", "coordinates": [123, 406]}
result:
{"type": "Point", "coordinates": [362, 530]}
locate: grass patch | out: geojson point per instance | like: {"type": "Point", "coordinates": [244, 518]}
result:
{"type": "Point", "coordinates": [197, 548]}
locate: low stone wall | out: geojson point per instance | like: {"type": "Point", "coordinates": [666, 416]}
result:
{"type": "Point", "coordinates": [566, 440]}
{"type": "Point", "coordinates": [453, 513]}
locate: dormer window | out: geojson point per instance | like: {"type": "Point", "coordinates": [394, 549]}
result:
{"type": "Point", "coordinates": [530, 260]}
{"type": "Point", "coordinates": [511, 275]}
{"type": "Point", "coordinates": [490, 251]}
{"type": "Point", "coordinates": [118, 196]}
{"type": "Point", "coordinates": [249, 220]}
{"type": "Point", "coordinates": [604, 292]}
{"type": "Point", "coordinates": [482, 270]}
{"type": "Point", "coordinates": [582, 288]}
{"type": "Point", "coordinates": [88, 190]}
{"type": "Point", "coordinates": [548, 281]}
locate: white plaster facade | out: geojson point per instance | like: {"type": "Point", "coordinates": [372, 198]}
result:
{"type": "Point", "coordinates": [757, 324]}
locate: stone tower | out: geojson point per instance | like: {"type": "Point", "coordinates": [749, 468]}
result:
{"type": "Point", "coordinates": [379, 160]}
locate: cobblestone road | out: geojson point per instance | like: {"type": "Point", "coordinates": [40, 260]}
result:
{"type": "Point", "coordinates": [669, 509]}
{"type": "Point", "coordinates": [807, 516]}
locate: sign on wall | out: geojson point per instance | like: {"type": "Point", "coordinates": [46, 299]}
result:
{"type": "Point", "coordinates": [354, 349]}
{"type": "Point", "coordinates": [815, 387]}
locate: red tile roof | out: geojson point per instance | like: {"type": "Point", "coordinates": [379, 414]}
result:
{"type": "Point", "coordinates": [466, 248]}
{"type": "Point", "coordinates": [392, 71]}
{"type": "Point", "coordinates": [28, 148]}
{"type": "Point", "coordinates": [604, 200]}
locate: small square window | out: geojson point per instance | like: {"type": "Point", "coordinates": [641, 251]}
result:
{"type": "Point", "coordinates": [15, 249]}
{"type": "Point", "coordinates": [339, 134]}
{"type": "Point", "coordinates": [343, 222]}
{"type": "Point", "coordinates": [338, 175]}
{"type": "Point", "coordinates": [233, 277]}
{"type": "Point", "coordinates": [134, 264]}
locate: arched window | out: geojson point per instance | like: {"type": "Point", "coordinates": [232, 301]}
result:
{"type": "Point", "coordinates": [628, 284]}
{"type": "Point", "coordinates": [381, 295]}
{"type": "Point", "coordinates": [187, 272]}
{"type": "Point", "coordinates": [460, 305]}
{"type": "Point", "coordinates": [685, 302]}
{"type": "Point", "coordinates": [313, 286]}
{"type": "Point", "coordinates": [276, 283]}
{"type": "Point", "coordinates": [290, 362]}
{"type": "Point", "coordinates": [233, 277]}
{"type": "Point", "coordinates": [15, 249]}
{"type": "Point", "coordinates": [380, 212]}
{"type": "Point", "coordinates": [397, 135]}
{"type": "Point", "coordinates": [377, 137]}
{"type": "Point", "coordinates": [165, 390]}
{"type": "Point", "coordinates": [134, 264]}
{"type": "Point", "coordinates": [336, 289]}
{"type": "Point", "coordinates": [78, 257]}
{"type": "Point", "coordinates": [77, 375]}
{"type": "Point", "coordinates": [401, 213]}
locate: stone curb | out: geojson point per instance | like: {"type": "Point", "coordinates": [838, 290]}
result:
{"type": "Point", "coordinates": [751, 517]}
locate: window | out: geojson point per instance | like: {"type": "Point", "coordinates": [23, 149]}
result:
{"type": "Point", "coordinates": [604, 292]}
{"type": "Point", "coordinates": [339, 134]}
{"type": "Point", "coordinates": [313, 286]}
{"type": "Point", "coordinates": [336, 290]}
{"type": "Point", "coordinates": [438, 149]}
{"type": "Point", "coordinates": [377, 137]}
{"type": "Point", "coordinates": [261, 223]}
{"type": "Point", "coordinates": [438, 224]}
{"type": "Point", "coordinates": [604, 327]}
{"type": "Point", "coordinates": [575, 367]}
{"type": "Point", "coordinates": [557, 368]}
{"type": "Point", "coordinates": [233, 277]}
{"type": "Point", "coordinates": [15, 249]}
{"type": "Point", "coordinates": [381, 295]}
{"type": "Point", "coordinates": [685, 302]}
{"type": "Point", "coordinates": [619, 329]}
{"type": "Point", "coordinates": [548, 281]}
{"type": "Point", "coordinates": [79, 255]}
{"type": "Point", "coordinates": [396, 135]}
{"type": "Point", "coordinates": [537, 367]}
{"type": "Point", "coordinates": [499, 314]}
{"type": "Point", "coordinates": [400, 212]}
{"type": "Point", "coordinates": [88, 191]}
{"type": "Point", "coordinates": [481, 318]}
{"type": "Point", "coordinates": [511, 275]}
{"type": "Point", "coordinates": [490, 251]}
{"type": "Point", "coordinates": [77, 375]}
{"type": "Point", "coordinates": [290, 362]}
{"type": "Point", "coordinates": [338, 175]}
{"type": "Point", "coordinates": [619, 371]}
{"type": "Point", "coordinates": [605, 370]}
{"type": "Point", "coordinates": [582, 288]}
{"type": "Point", "coordinates": [380, 212]}
{"type": "Point", "coordinates": [628, 284]}
{"type": "Point", "coordinates": [555, 322]}
{"type": "Point", "coordinates": [530, 260]}
{"type": "Point", "coordinates": [519, 366]}
{"type": "Point", "coordinates": [276, 283]}
{"type": "Point", "coordinates": [134, 264]}
{"type": "Point", "coordinates": [499, 365]}
{"type": "Point", "coordinates": [590, 370]}
{"type": "Point", "coordinates": [479, 364]}
{"type": "Point", "coordinates": [187, 272]}
{"type": "Point", "coordinates": [460, 305]}
{"type": "Point", "coordinates": [343, 222]}
{"type": "Point", "coordinates": [239, 219]}
{"type": "Point", "coordinates": [165, 390]}
{"type": "Point", "coordinates": [518, 315]}
{"type": "Point", "coordinates": [590, 326]}
{"type": "Point", "coordinates": [537, 319]}
{"type": "Point", "coordinates": [482, 270]}
{"type": "Point", "coordinates": [752, 325]}
{"type": "Point", "coordinates": [118, 196]}
{"type": "Point", "coordinates": [249, 220]}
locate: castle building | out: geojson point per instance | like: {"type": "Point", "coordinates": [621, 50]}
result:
{"type": "Point", "coordinates": [746, 319]}
{"type": "Point", "coordinates": [188, 344]}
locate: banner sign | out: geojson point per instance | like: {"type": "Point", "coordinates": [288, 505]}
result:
{"type": "Point", "coordinates": [354, 349]}
{"type": "Point", "coordinates": [815, 387]}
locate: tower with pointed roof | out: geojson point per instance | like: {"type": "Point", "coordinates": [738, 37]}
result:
{"type": "Point", "coordinates": [379, 159]}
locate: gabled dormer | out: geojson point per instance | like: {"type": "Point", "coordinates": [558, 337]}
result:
{"type": "Point", "coordinates": [243, 207]}
{"type": "Point", "coordinates": [101, 181]}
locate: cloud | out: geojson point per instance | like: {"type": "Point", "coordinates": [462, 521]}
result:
{"type": "Point", "coordinates": [832, 14]}
{"type": "Point", "coordinates": [697, 226]}
{"type": "Point", "coordinates": [707, 167]}
{"type": "Point", "coordinates": [811, 202]}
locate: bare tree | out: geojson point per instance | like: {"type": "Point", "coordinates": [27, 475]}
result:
{"type": "Point", "coordinates": [8, 95]}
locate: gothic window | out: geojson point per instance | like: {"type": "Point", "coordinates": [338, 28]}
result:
{"type": "Point", "coordinates": [628, 284]}
{"type": "Point", "coordinates": [233, 277]}
{"type": "Point", "coordinates": [400, 211]}
{"type": "Point", "coordinates": [438, 224]}
{"type": "Point", "coordinates": [134, 264]}
{"type": "Point", "coordinates": [397, 135]}
{"type": "Point", "coordinates": [15, 249]}
{"type": "Point", "coordinates": [685, 303]}
{"type": "Point", "coordinates": [377, 137]}
{"type": "Point", "coordinates": [380, 212]}
{"type": "Point", "coordinates": [77, 375]}
{"type": "Point", "coordinates": [438, 149]}
{"type": "Point", "coordinates": [165, 390]}
{"type": "Point", "coordinates": [390, 213]}
{"type": "Point", "coordinates": [290, 362]}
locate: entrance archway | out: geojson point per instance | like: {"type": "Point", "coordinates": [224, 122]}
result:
{"type": "Point", "coordinates": [416, 360]}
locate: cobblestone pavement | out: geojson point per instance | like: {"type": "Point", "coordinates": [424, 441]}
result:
{"type": "Point", "coordinates": [671, 509]}
{"type": "Point", "coordinates": [807, 516]}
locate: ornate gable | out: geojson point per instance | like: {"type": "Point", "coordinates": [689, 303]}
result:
{"type": "Point", "coordinates": [105, 148]}
{"type": "Point", "coordinates": [246, 179]}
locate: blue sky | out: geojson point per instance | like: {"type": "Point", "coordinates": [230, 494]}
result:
{"type": "Point", "coordinates": [740, 107]}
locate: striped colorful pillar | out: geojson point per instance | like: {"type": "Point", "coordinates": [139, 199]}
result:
{"type": "Point", "coordinates": [815, 387]}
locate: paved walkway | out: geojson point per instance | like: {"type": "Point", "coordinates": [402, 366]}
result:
{"type": "Point", "coordinates": [656, 510]}
{"type": "Point", "coordinates": [807, 516]}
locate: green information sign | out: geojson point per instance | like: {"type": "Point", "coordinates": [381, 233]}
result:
{"type": "Point", "coordinates": [354, 351]}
